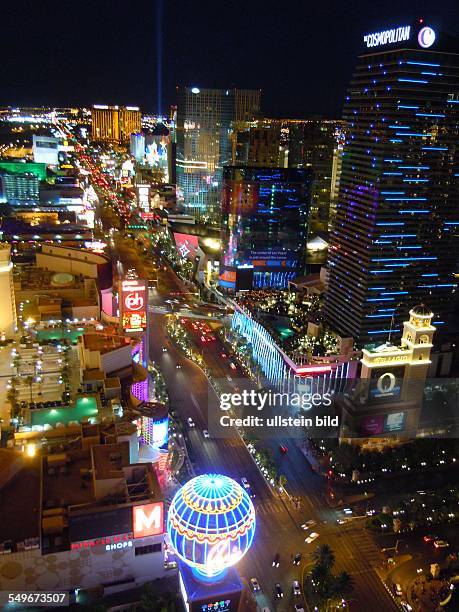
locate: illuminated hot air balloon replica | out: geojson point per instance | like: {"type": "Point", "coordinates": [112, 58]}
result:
{"type": "Point", "coordinates": [211, 524]}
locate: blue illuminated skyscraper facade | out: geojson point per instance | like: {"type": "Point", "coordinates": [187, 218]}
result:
{"type": "Point", "coordinates": [264, 224]}
{"type": "Point", "coordinates": [395, 238]}
{"type": "Point", "coordinates": [204, 123]}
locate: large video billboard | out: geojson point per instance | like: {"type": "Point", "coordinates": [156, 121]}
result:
{"type": "Point", "coordinates": [133, 304]}
{"type": "Point", "coordinates": [187, 245]}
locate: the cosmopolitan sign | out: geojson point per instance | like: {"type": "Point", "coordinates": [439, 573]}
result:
{"type": "Point", "coordinates": [387, 37]}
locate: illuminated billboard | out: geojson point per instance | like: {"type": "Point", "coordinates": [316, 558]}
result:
{"type": "Point", "coordinates": [394, 422]}
{"type": "Point", "coordinates": [148, 519]}
{"type": "Point", "coordinates": [133, 304]}
{"type": "Point", "coordinates": [386, 384]}
{"type": "Point", "coordinates": [372, 425]}
{"type": "Point", "coordinates": [187, 245]}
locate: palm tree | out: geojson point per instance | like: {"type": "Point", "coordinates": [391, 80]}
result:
{"type": "Point", "coordinates": [324, 556]}
{"type": "Point", "coordinates": [344, 584]}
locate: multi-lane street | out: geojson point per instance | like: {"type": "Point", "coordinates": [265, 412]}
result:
{"type": "Point", "coordinates": [278, 518]}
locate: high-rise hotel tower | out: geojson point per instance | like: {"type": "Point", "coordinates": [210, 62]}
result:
{"type": "Point", "coordinates": [395, 239]}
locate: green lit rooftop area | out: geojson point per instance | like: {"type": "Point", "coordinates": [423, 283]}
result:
{"type": "Point", "coordinates": [83, 407]}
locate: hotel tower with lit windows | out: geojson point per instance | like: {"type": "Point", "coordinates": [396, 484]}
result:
{"type": "Point", "coordinates": [395, 239]}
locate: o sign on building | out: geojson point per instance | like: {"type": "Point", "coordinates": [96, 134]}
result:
{"type": "Point", "coordinates": [148, 520]}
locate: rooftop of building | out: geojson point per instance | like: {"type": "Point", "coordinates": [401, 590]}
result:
{"type": "Point", "coordinates": [63, 251]}
{"type": "Point", "coordinates": [109, 459]}
{"type": "Point", "coordinates": [20, 500]}
{"type": "Point", "coordinates": [31, 277]}
{"type": "Point", "coordinates": [104, 342]}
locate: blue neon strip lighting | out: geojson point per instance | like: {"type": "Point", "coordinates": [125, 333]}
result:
{"type": "Point", "coordinates": [384, 224]}
{"type": "Point", "coordinates": [392, 160]}
{"type": "Point", "coordinates": [408, 212]}
{"type": "Point", "coordinates": [400, 235]}
{"type": "Point", "coordinates": [393, 173]}
{"type": "Point", "coordinates": [434, 148]}
{"type": "Point", "coordinates": [380, 316]}
{"type": "Point", "coordinates": [380, 299]}
{"type": "Point", "coordinates": [430, 115]}
{"type": "Point", "coordinates": [402, 248]}
{"type": "Point", "coordinates": [411, 81]}
{"type": "Point", "coordinates": [423, 64]}
{"type": "Point", "coordinates": [384, 331]}
{"type": "Point", "coordinates": [415, 167]}
{"type": "Point", "coordinates": [404, 199]}
{"type": "Point", "coordinates": [440, 285]}
{"type": "Point", "coordinates": [400, 127]}
{"type": "Point", "coordinates": [415, 180]}
{"type": "Point", "coordinates": [430, 73]}
{"type": "Point", "coordinates": [406, 106]}
{"type": "Point", "coordinates": [403, 258]}
{"type": "Point", "coordinates": [429, 274]}
{"type": "Point", "coordinates": [453, 101]}
{"type": "Point", "coordinates": [392, 192]}
{"type": "Point", "coordinates": [394, 293]}
{"type": "Point", "coordinates": [451, 222]}
{"type": "Point", "coordinates": [412, 134]}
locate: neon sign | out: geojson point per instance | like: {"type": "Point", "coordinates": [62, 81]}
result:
{"type": "Point", "coordinates": [426, 37]}
{"type": "Point", "coordinates": [109, 542]}
{"type": "Point", "coordinates": [211, 524]}
{"type": "Point", "coordinates": [148, 519]}
{"type": "Point", "coordinates": [133, 305]}
{"type": "Point", "coordinates": [387, 37]}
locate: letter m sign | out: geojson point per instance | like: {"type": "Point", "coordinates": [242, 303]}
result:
{"type": "Point", "coordinates": [148, 520]}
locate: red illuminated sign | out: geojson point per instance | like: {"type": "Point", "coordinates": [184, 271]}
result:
{"type": "Point", "coordinates": [148, 519]}
{"type": "Point", "coordinates": [133, 301]}
{"type": "Point", "coordinates": [109, 542]}
{"type": "Point", "coordinates": [187, 245]}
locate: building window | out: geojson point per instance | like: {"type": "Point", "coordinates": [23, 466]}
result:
{"type": "Point", "coordinates": [146, 550]}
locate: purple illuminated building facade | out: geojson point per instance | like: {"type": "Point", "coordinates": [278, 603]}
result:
{"type": "Point", "coordinates": [395, 237]}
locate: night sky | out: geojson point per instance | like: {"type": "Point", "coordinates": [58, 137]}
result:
{"type": "Point", "coordinates": [300, 53]}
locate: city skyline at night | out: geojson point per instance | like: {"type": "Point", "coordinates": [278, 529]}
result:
{"type": "Point", "coordinates": [229, 262]}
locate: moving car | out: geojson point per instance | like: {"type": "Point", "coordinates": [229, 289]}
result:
{"type": "Point", "coordinates": [178, 366]}
{"type": "Point", "coordinates": [310, 539]}
{"type": "Point", "coordinates": [342, 521]}
{"type": "Point", "coordinates": [308, 524]}
{"type": "Point", "coordinates": [283, 449]}
{"type": "Point", "coordinates": [397, 589]}
{"type": "Point", "coordinates": [255, 585]}
{"type": "Point", "coordinates": [190, 422]}
{"type": "Point", "coordinates": [405, 606]}
{"type": "Point", "coordinates": [278, 590]}
{"type": "Point", "coordinates": [430, 538]}
{"type": "Point", "coordinates": [299, 608]}
{"type": "Point", "coordinates": [297, 559]}
{"type": "Point", "coordinates": [164, 349]}
{"type": "Point", "coordinates": [205, 433]}
{"type": "Point", "coordinates": [245, 483]}
{"type": "Point", "coordinates": [441, 544]}
{"type": "Point", "coordinates": [276, 560]}
{"type": "Point", "coordinates": [296, 588]}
